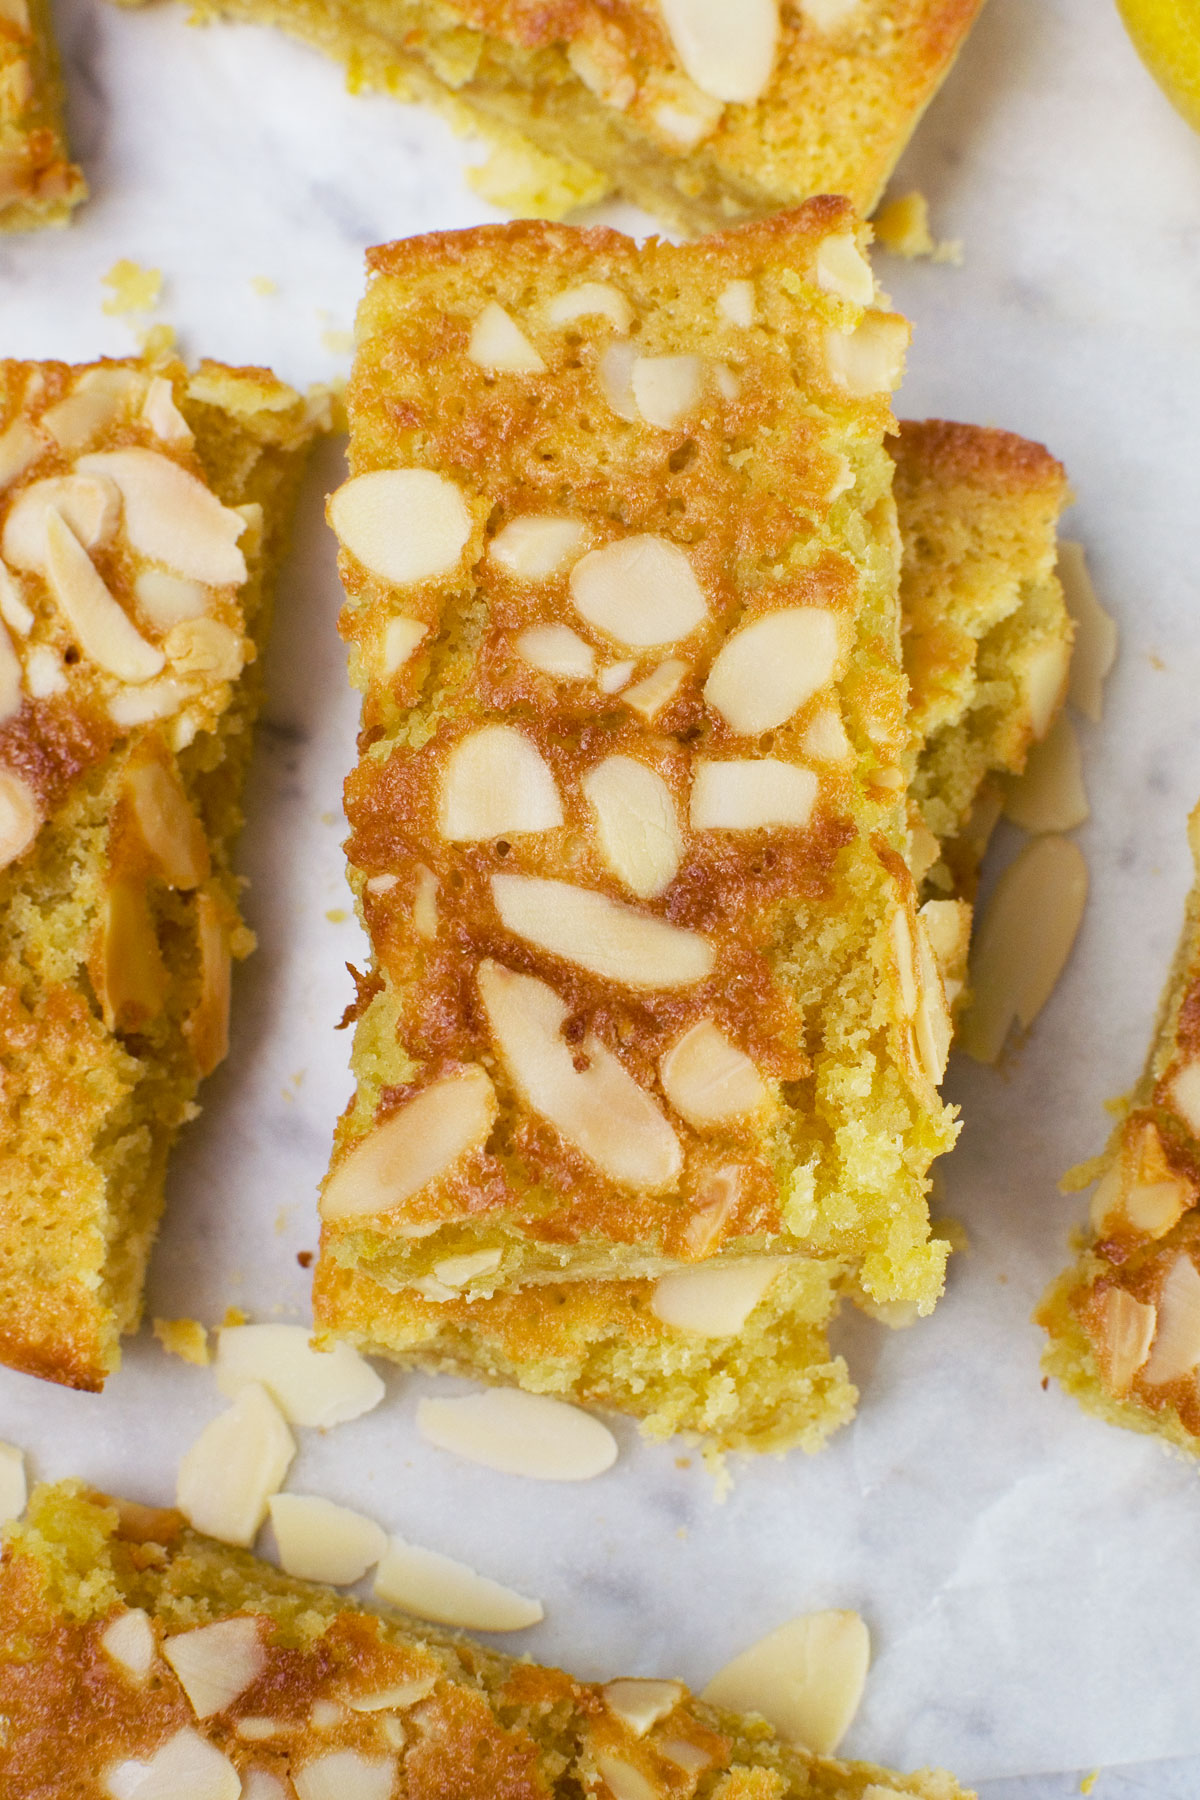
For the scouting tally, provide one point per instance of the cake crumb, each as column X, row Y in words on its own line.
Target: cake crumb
column 304, row 1258
column 1089, row 1782
column 902, row 226
column 263, row 286
column 185, row 1338
column 134, row 289
column 157, row 342
column 337, row 915
column 532, row 184
column 341, row 343
column 234, row 1316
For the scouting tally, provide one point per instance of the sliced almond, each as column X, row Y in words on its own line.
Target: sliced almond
column 639, row 590
column 615, row 369
column 714, row 1299
column 1050, row 795
column 401, row 636
column 20, row 817
column 536, row 546
column 395, row 1699
column 729, row 52
column 1023, row 942
column 842, row 269
column 1154, row 1207
column 168, row 600
column 437, row 1587
column 519, row 1434
column 81, row 417
column 1176, row 1349
column 737, row 303
column 131, row 1643
column 709, row 1080
column 403, row 525
column 261, row 1784
column 171, row 834
column 128, row 972
column 599, row 934
column 13, row 1486
column 420, row 1142
column 346, row 1775
column 161, row 414
column 598, row 1108
column 636, row 827
column 1095, row 647
column 689, row 1757
column 216, row 1663
column 1045, row 682
column 187, row 1767
column 458, row 1271
column 825, row 737
column 806, row 1679
column 10, row 678
column 207, row 1025
column 1126, row 1334
column 557, row 650
column 714, row 1204
column 623, row 1780
column 171, row 517
column 590, row 299
column 90, row 507
column 104, row 631
column 425, row 901
column 498, row 343
column 751, row 795
column 205, row 649
column 666, row 387
column 612, row 679
column 766, row 671
column 827, row 15
column 639, row 1704
column 14, row 611
column 239, row 1460
column 496, row 783
column 319, row 1541
column 648, row 696
column 678, row 112
column 1183, row 1092
column 319, row 1388
column 20, row 446
column 869, row 359
column 947, row 926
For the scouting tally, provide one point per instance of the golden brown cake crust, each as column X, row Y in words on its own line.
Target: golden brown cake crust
column 39, row 185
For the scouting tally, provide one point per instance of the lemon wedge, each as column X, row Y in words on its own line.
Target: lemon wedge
column 1166, row 35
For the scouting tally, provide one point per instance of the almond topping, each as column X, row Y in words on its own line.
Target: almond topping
column 498, row 343
column 397, row 1698
column 131, row 1643
column 20, row 817
column 1095, row 647
column 681, row 115
column 495, row 783
column 536, row 546
column 1023, row 943
column 167, row 600
column 947, row 926
column 666, row 387
column 591, row 299
column 161, row 414
column 615, row 368
column 842, row 269
column 1176, row 1348
column 557, row 650
column 458, row 1271
column 622, row 1780
column 170, row 831
column 425, row 901
column 141, row 705
column 401, row 524
column 239, row 1460
column 346, row 1775
column 728, row 51
column 598, row 1108
column 806, row 1679
column 599, row 934
column 1046, row 674
column 319, row 1541
column 82, row 416
column 1050, row 795
column 207, row 1025
column 437, row 1587
column 311, row 1387
column 104, row 631
column 648, row 696
column 13, row 1487
column 128, row 972
column 401, row 636
column 13, row 609
column 736, row 302
column 640, row 1703
column 612, row 679
column 1126, row 1333
column 216, row 1663
column 171, row 517
column 640, row 590
column 709, row 1080
column 714, row 1299
column 90, row 508
column 519, row 1434
column 768, row 669
column 827, row 15
column 10, row 678
column 20, row 446
column 714, row 1204
column 869, row 359
column 187, row 1767
column 1153, row 1207
column 751, row 795
column 636, row 827
column 417, row 1145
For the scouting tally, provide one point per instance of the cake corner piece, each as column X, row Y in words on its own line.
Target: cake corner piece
column 39, row 184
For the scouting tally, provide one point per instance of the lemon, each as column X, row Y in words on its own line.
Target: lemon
column 1166, row 35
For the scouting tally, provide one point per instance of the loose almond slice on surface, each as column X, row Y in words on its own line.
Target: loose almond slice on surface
column 1176, row 1348
column 131, row 1643
column 714, row 1299
column 842, row 269
column 1050, row 795
column 13, row 1487
column 239, row 1460
column 105, row 632
column 599, row 1108
column 519, row 1434
column 216, row 1663
column 537, row 545
column 347, row 1775
column 641, row 1703
column 319, row 1541
column 437, row 1587
column 496, row 783
column 870, row 359
column 498, row 343
column 187, row 1767
column 311, row 1387
column 767, row 670
column 1095, row 648
column 752, row 795
column 170, row 831
column 557, row 650
column 590, row 299
column 402, row 524
column 1045, row 682
column 1126, row 1334
column 1023, row 942
column 636, row 827
column 666, row 387
column 728, row 51
column 417, row 1144
column 709, row 1080
column 171, row 517
column 806, row 1679
column 640, row 591
column 598, row 934
column 91, row 508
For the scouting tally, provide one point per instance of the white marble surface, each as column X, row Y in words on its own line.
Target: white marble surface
column 1030, row 1577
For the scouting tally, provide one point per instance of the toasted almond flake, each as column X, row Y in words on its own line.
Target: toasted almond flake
column 20, row 817
column 591, row 299
column 681, row 115
column 1183, row 1092
column 425, row 901
column 216, row 1663
column 205, row 648
column 622, row 1780
column 90, row 507
column 171, row 834
column 104, row 631
column 1095, row 647
column 10, row 678
column 557, row 650
column 13, row 1488
column 708, row 1079
column 519, row 1434
column 1050, row 795
column 131, row 1643
column 728, row 383
column 636, row 828
column 613, row 678
column 599, row 1108
column 827, row 15
column 325, row 1715
column 825, row 737
column 714, row 1300
column 261, row 1784
column 932, row 1024
column 13, row 609
column 310, row 1387
column 666, row 387
column 806, row 1679
column 437, row 1587
column 20, row 447
column 537, row 545
column 947, row 927
column 603, row 68
column 869, row 359
column 171, row 517
column 383, row 884
column 640, row 591
column 457, row 1271
column 239, row 1460
column 905, row 955
column 416, row 1145
column 765, row 672
column 319, row 1541
column 498, row 343
column 346, row 1775
column 714, row 1204
column 207, row 1025
column 728, row 51
column 44, row 672
column 496, row 783
column 397, row 1698
column 842, row 269
column 599, row 934
column 154, row 700
column 187, row 1767
column 1126, row 1334
column 648, row 696
column 642, row 1703
column 615, row 369
column 258, row 1728
column 689, row 1757
column 168, row 600
column 1045, row 683
column 736, row 302
column 82, row 416
column 128, row 971
column 404, row 525
column 1176, row 1348
column 400, row 638
column 161, row 414
column 1153, row 1207
column 751, row 795
column 1023, row 942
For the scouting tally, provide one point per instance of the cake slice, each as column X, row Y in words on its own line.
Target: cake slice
column 141, row 1658
column 143, row 511
column 702, row 114
column 39, row 184
column 1124, row 1319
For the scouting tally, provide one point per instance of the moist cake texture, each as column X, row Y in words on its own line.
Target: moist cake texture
column 1124, row 1319
column 142, row 514
column 700, row 114
column 39, row 184
column 136, row 1650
